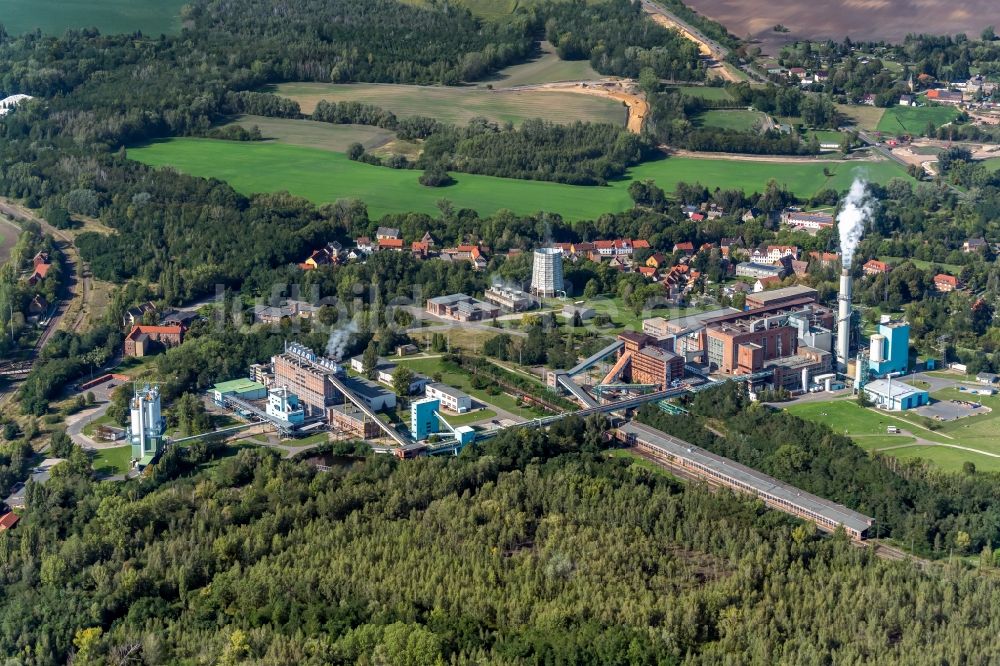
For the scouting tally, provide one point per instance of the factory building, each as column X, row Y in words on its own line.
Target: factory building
column 780, row 296
column 510, row 300
column 244, row 389
column 351, row 421
column 895, row 395
column 146, row 426
column 423, row 418
column 283, row 404
column 645, row 360
column 889, row 350
column 450, row 398
column 461, row 307
column 547, row 272
column 305, row 380
column 374, row 396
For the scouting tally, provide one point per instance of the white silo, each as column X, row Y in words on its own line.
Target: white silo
column 547, row 272
column 878, row 348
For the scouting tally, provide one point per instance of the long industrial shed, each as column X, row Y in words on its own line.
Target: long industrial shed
column 721, row 471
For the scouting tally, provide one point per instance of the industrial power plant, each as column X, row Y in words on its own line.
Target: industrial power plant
column 547, row 273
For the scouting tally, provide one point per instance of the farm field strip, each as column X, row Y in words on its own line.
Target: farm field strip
column 54, row 17
column 325, row 176
column 459, row 105
column 913, row 120
column 313, row 134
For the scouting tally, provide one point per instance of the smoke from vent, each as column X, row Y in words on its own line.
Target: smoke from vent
column 339, row 337
column 851, row 221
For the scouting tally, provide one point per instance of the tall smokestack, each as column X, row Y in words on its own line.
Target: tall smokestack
column 844, row 320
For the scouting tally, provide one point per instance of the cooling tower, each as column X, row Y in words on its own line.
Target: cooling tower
column 547, row 272
column 844, row 321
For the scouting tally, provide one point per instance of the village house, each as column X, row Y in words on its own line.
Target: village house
column 807, row 221
column 657, row 260
column 393, row 244
column 945, row 283
column 974, row 245
column 944, row 96
column 686, row 247
column 136, row 314
column 825, row 258
column 386, row 233
column 273, row 314
column 773, row 254
column 364, row 244
column 875, row 267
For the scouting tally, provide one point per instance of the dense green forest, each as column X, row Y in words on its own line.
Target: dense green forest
column 922, row 509
column 530, row 548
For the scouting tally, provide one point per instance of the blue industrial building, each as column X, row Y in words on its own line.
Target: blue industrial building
column 423, row 418
column 890, row 348
column 895, row 395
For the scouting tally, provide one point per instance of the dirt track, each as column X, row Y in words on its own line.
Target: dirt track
column 638, row 107
column 736, row 157
column 658, row 15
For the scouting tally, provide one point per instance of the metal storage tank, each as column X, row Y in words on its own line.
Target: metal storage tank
column 878, row 348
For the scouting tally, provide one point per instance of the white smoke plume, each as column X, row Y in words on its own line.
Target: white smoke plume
column 339, row 337
column 851, row 221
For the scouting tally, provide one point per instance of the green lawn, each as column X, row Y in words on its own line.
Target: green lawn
column 705, row 92
column 740, row 120
column 314, row 134
column 91, row 428
column 827, row 136
column 325, row 176
column 922, row 264
column 108, row 462
column 914, row 119
column 868, row 429
column 309, row 440
column 950, row 460
column 458, row 105
column 546, row 68
column 472, row 417
column 993, row 163
column 845, row 417
column 461, row 381
column 110, row 16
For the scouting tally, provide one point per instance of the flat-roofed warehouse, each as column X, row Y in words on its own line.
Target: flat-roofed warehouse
column 722, row 471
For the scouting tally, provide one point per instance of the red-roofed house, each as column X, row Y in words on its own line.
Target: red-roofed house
column 875, row 267
column 640, row 244
column 419, row 248
column 394, row 244
column 143, row 340
column 648, row 271
column 945, row 283
column 686, row 248
column 8, row 520
column 766, row 283
column 41, row 270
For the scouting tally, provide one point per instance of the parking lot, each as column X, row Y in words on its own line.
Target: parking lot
column 951, row 410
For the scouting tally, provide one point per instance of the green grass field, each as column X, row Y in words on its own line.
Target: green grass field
column 736, row 119
column 461, row 381
column 704, row 92
column 865, row 117
column 914, row 119
column 546, row 68
column 868, row 429
column 920, row 263
column 108, row 462
column 313, row 134
column 325, row 176
column 993, row 164
column 152, row 17
column 459, row 105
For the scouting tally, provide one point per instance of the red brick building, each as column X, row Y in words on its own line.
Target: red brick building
column 146, row 340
